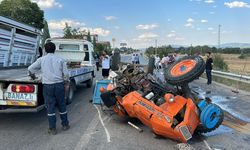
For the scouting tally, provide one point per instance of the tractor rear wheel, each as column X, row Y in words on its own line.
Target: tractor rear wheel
column 184, row 70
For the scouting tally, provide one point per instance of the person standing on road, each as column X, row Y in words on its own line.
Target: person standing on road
column 209, row 67
column 115, row 60
column 164, row 61
column 157, row 61
column 133, row 58
column 54, row 75
column 105, row 65
column 97, row 61
column 137, row 59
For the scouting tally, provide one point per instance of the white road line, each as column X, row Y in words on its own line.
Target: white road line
column 106, row 130
column 207, row 145
column 84, row 140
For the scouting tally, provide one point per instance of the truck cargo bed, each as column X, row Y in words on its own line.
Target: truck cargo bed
column 18, row 75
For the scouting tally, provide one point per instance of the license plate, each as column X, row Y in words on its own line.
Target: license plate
column 185, row 132
column 19, row 96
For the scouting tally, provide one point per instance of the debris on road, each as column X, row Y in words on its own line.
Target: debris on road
column 183, row 146
column 170, row 110
column 236, row 123
column 134, row 126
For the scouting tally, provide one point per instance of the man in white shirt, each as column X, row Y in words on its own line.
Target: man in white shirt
column 105, row 65
column 54, row 74
column 157, row 61
column 133, row 58
column 165, row 61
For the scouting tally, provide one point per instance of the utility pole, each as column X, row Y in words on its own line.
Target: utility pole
column 113, row 40
column 219, row 36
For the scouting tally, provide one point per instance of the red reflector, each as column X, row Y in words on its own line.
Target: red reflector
column 23, row 88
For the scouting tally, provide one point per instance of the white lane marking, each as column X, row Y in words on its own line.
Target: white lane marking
column 106, row 130
column 84, row 140
column 207, row 145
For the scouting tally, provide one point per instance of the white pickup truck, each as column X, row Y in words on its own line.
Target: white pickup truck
column 18, row 93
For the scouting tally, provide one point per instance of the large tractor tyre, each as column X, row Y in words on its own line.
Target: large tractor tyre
column 70, row 92
column 211, row 118
column 184, row 70
column 151, row 65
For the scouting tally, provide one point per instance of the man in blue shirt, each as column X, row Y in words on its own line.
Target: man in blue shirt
column 54, row 74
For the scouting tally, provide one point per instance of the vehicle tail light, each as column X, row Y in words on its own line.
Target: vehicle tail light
column 23, row 88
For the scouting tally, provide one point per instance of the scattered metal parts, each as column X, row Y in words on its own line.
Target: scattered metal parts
column 218, row 147
column 184, row 146
column 134, row 126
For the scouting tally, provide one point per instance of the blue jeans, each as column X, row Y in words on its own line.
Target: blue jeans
column 209, row 76
column 54, row 96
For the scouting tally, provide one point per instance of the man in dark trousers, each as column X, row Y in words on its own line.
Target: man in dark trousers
column 209, row 67
column 115, row 60
column 54, row 75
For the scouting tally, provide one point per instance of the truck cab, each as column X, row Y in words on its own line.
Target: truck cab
column 74, row 51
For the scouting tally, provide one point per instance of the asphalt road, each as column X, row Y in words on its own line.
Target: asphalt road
column 93, row 128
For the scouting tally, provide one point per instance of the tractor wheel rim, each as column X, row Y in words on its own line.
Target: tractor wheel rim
column 182, row 67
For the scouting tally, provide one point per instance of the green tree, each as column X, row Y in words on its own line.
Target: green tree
column 23, row 11
column 219, row 63
column 73, row 33
column 45, row 32
column 67, row 31
column 94, row 42
column 89, row 37
column 99, row 48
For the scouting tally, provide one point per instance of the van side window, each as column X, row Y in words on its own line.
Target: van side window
column 85, row 47
column 69, row 47
column 86, row 58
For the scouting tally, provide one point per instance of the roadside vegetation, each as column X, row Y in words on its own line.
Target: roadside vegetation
column 26, row 12
column 234, row 60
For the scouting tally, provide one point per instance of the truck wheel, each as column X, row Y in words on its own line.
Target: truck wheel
column 184, row 70
column 89, row 83
column 70, row 93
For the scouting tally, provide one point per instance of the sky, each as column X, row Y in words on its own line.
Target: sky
column 140, row 23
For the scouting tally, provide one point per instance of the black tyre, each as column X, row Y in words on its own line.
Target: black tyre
column 89, row 83
column 184, row 70
column 151, row 65
column 70, row 92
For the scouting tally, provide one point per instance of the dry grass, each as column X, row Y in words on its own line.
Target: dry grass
column 236, row 65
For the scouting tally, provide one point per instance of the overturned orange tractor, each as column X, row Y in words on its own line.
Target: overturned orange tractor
column 169, row 108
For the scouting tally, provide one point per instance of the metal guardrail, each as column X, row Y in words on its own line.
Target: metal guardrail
column 232, row 76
